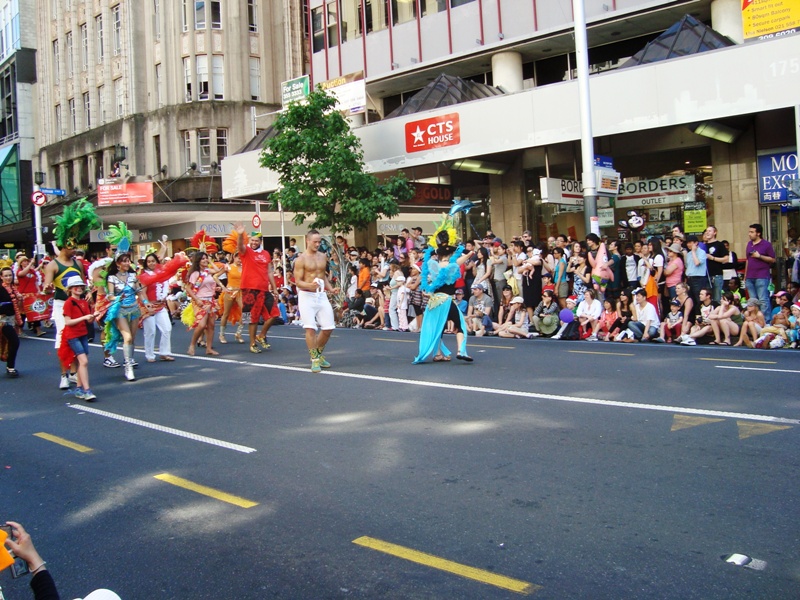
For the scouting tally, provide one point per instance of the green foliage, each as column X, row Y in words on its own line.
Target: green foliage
column 321, row 169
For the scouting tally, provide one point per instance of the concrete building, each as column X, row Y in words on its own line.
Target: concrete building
column 156, row 90
column 695, row 69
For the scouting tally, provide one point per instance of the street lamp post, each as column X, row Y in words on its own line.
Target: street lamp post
column 38, row 180
column 587, row 142
column 254, row 116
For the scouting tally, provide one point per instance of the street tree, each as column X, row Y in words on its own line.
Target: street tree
column 320, row 165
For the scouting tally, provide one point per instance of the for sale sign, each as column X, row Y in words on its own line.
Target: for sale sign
column 436, row 132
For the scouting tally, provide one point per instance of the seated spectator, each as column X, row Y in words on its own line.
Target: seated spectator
column 644, row 324
column 517, row 326
column 370, row 319
column 462, row 305
column 504, row 304
column 727, row 320
column 355, row 308
column 607, row 320
column 589, row 312
column 753, row 323
column 479, row 311
column 671, row 326
column 780, row 299
column 702, row 324
column 619, row 330
column 545, row 315
column 376, row 291
column 794, row 325
column 775, row 334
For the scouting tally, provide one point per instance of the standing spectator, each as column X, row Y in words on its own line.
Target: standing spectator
column 560, row 278
column 419, row 240
column 364, row 275
column 630, row 265
column 731, row 263
column 760, row 258
column 674, row 269
column 397, row 280
column 11, row 319
column 717, row 257
column 647, row 281
column 581, row 273
column 498, row 264
column 531, row 270
column 695, row 261
column 614, row 263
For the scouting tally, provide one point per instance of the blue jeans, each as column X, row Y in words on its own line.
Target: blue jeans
column 759, row 288
column 638, row 330
column 717, row 282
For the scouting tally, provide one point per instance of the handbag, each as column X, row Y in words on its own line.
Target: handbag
column 512, row 282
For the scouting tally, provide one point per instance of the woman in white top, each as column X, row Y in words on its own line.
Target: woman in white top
column 518, row 325
column 589, row 312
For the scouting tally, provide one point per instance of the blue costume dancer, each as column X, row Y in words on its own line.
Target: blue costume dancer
column 438, row 280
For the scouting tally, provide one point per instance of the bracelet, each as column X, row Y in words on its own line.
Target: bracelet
column 39, row 568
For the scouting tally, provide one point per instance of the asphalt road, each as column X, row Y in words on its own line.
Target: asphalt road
column 543, row 469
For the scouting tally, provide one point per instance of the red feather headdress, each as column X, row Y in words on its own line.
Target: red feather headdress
column 204, row 243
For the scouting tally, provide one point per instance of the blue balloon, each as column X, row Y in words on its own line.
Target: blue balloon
column 566, row 315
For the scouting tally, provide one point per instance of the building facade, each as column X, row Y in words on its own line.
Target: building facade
column 652, row 120
column 156, row 90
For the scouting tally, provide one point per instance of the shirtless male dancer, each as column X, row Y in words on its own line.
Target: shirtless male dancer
column 316, row 312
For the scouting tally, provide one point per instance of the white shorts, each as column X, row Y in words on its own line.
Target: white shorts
column 316, row 311
column 58, row 318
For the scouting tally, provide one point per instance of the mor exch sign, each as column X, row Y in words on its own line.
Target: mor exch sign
column 774, row 173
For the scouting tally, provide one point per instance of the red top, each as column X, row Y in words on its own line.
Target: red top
column 255, row 269
column 75, row 309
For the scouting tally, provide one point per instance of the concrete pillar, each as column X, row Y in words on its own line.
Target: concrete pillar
column 508, row 195
column 507, row 71
column 726, row 18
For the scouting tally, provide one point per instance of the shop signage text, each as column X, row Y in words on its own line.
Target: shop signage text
column 566, row 192
column 431, row 194
column 774, row 171
column 100, row 235
column 656, row 192
column 118, row 191
column 217, row 229
column 436, row 132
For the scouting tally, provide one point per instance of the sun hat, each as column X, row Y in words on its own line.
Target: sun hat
column 752, row 302
column 676, row 248
column 548, row 324
column 75, row 281
column 517, row 300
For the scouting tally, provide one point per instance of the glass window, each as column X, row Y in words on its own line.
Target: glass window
column 187, row 79
column 431, row 7
column 157, row 152
column 159, row 86
column 70, row 57
column 218, row 77
column 119, row 98
column 84, row 47
column 376, row 15
column 204, row 150
column 403, row 11
column 333, row 20
column 318, row 28
column 454, row 3
column 73, row 116
column 252, row 16
column 184, row 15
column 201, row 61
column 58, row 122
column 56, row 62
column 116, row 19
column 156, row 20
column 222, row 145
column 350, row 16
column 98, row 25
column 216, row 14
column 87, row 111
column 187, row 149
column 255, row 78
column 101, row 103
column 199, row 14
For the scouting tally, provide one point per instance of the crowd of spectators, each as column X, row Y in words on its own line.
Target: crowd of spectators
column 681, row 289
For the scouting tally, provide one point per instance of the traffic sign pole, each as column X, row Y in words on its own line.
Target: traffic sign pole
column 37, row 223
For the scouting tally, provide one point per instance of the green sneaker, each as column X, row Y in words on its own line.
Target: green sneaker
column 324, row 363
column 315, row 366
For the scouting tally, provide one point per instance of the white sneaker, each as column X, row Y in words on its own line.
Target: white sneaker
column 591, row 338
column 111, row 362
column 556, row 337
column 64, row 383
column 73, row 378
column 129, row 372
column 688, row 341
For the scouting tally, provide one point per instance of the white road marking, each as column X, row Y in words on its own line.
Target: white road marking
column 758, row 369
column 161, row 428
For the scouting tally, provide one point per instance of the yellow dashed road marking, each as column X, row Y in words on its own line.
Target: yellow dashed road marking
column 62, row 442
column 429, row 560
column 205, row 491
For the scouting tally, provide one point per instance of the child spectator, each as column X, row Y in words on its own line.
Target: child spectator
column 671, row 326
column 774, row 335
column 607, row 320
column 753, row 323
column 794, row 326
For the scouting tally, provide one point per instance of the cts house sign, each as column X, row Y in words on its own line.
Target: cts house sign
column 436, row 132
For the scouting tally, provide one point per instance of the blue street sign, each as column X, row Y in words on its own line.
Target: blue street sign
column 53, row 192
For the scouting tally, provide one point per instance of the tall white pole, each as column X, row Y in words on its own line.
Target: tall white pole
column 37, row 224
column 283, row 243
column 587, row 141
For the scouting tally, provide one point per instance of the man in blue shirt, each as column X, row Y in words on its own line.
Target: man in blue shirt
column 695, row 262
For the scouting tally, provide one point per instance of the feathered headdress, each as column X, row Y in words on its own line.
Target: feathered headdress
column 445, row 225
column 203, row 242
column 75, row 223
column 120, row 236
column 231, row 243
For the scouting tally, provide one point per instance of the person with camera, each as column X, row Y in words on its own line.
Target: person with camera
column 42, row 584
column 702, row 324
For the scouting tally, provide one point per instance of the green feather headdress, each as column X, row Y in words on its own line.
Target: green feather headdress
column 119, row 236
column 75, row 223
